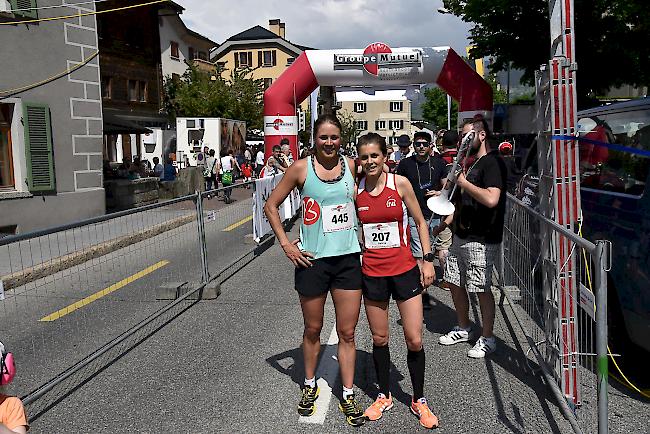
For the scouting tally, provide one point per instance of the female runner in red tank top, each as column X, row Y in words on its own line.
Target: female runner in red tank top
column 389, row 269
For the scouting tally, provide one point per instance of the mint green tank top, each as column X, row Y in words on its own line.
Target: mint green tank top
column 329, row 219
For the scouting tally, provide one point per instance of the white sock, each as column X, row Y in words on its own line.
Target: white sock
column 347, row 392
column 310, row 383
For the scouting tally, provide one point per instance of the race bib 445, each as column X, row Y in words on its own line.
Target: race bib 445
column 338, row 217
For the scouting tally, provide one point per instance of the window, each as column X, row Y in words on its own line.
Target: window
column 359, row 107
column 267, row 83
column 290, row 60
column 266, row 58
column 29, row 164
column 361, row 125
column 173, row 48
column 396, row 125
column 38, row 147
column 6, row 156
column 380, row 125
column 392, row 141
column 107, row 84
column 244, row 59
column 396, row 106
column 622, row 168
column 191, row 53
column 137, row 90
column 201, row 55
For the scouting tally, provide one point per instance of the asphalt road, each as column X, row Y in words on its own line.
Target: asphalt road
column 120, row 289
column 233, row 365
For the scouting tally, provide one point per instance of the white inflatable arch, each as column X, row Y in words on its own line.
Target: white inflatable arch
column 376, row 65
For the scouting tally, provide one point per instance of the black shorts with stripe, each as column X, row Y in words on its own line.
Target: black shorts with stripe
column 401, row 287
column 336, row 272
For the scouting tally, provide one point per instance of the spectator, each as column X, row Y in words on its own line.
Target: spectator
column 449, row 144
column 169, row 171
column 426, row 174
column 514, row 174
column 228, row 164
column 287, row 158
column 157, row 168
column 12, row 413
column 248, row 154
column 247, row 172
column 259, row 161
column 480, row 202
column 274, row 163
column 404, row 144
column 210, row 172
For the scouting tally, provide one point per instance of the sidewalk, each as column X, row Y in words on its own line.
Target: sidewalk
column 234, row 365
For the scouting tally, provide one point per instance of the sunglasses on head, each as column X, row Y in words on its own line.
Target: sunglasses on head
column 332, row 138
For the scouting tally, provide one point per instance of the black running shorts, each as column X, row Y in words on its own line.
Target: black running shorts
column 336, row 272
column 401, row 287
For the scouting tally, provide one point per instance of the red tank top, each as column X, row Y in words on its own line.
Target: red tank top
column 386, row 237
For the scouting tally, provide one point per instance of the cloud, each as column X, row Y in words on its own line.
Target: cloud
column 328, row 24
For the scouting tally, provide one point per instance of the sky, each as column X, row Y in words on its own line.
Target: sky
column 330, row 24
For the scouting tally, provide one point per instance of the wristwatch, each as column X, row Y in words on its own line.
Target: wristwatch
column 428, row 257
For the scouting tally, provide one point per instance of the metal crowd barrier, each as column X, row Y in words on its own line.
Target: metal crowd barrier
column 531, row 287
column 76, row 297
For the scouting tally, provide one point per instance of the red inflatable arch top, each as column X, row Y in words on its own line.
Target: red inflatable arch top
column 376, row 65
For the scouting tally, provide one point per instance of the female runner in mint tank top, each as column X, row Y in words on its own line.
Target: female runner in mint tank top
column 327, row 259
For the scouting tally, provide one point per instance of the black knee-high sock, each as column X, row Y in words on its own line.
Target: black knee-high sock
column 381, row 357
column 415, row 361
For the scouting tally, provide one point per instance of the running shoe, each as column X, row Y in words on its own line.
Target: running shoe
column 483, row 347
column 352, row 411
column 307, row 406
column 377, row 409
column 422, row 411
column 456, row 335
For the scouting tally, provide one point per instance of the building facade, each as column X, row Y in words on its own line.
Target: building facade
column 385, row 112
column 180, row 45
column 50, row 117
column 267, row 52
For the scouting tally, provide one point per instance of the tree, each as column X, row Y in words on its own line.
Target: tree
column 199, row 93
column 349, row 133
column 434, row 109
column 611, row 39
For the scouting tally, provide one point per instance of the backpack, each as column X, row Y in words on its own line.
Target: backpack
column 226, row 178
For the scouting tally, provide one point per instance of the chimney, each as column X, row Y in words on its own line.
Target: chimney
column 277, row 27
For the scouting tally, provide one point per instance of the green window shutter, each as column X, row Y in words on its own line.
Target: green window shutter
column 25, row 4
column 38, row 147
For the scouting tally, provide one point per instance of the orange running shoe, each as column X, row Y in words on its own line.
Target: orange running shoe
column 422, row 411
column 377, row 409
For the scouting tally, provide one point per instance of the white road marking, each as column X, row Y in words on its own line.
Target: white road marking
column 328, row 370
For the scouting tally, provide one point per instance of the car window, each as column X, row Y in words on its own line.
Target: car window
column 612, row 148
